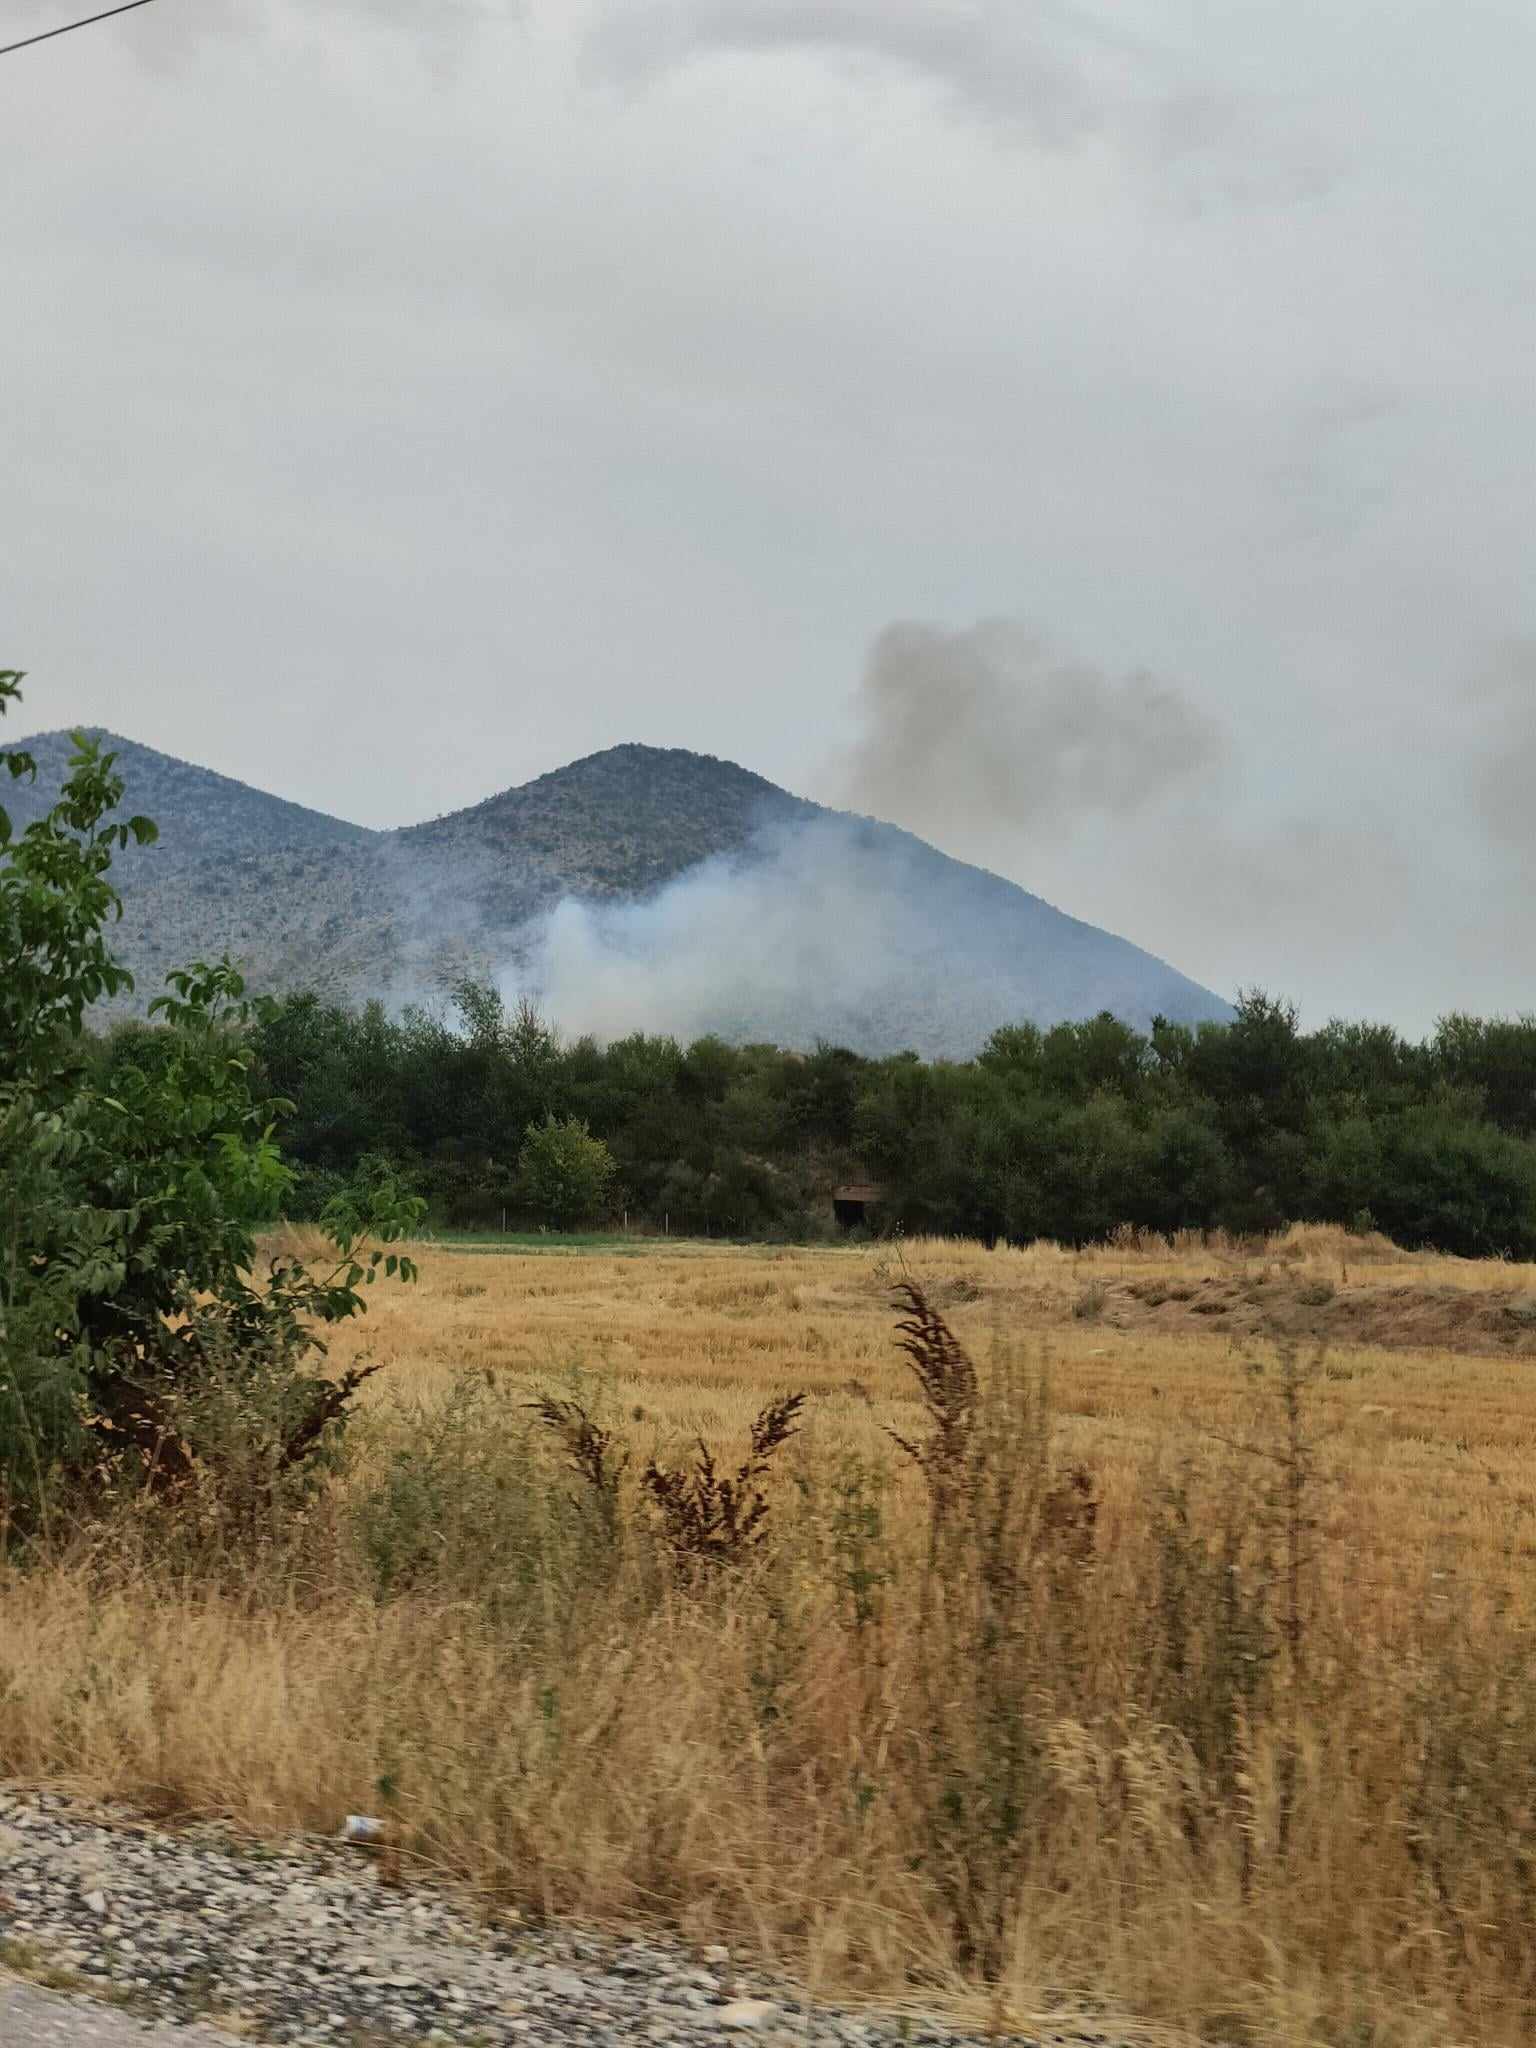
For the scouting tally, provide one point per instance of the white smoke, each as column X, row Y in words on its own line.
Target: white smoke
column 809, row 925
column 835, row 928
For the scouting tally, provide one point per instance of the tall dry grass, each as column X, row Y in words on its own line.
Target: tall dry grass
column 1170, row 1678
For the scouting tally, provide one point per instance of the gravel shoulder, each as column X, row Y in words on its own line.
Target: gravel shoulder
column 30, row 2018
column 133, row 1936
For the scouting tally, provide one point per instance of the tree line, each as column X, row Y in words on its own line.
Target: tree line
column 1064, row 1133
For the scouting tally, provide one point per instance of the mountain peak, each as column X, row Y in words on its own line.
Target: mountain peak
column 633, row 767
column 627, row 819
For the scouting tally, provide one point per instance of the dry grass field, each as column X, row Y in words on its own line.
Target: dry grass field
column 1200, row 1688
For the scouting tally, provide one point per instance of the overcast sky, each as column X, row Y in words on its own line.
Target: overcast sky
column 1099, row 437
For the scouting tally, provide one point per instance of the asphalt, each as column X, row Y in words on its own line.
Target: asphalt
column 30, row 2018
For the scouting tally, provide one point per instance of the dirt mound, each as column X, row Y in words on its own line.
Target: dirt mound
column 1281, row 1302
column 1333, row 1241
column 1296, row 1242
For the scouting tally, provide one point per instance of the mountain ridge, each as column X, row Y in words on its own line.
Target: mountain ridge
column 869, row 935
column 138, row 763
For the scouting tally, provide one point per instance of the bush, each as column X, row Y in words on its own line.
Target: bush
column 565, row 1175
column 451, row 1497
column 128, row 1212
column 311, row 1188
column 1456, row 1184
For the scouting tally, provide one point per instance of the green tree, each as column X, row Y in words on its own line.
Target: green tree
column 1496, row 1057
column 1184, row 1175
column 565, row 1175
column 1100, row 1056
column 128, row 1212
column 1459, row 1185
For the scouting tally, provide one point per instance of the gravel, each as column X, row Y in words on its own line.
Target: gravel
column 30, row 2018
column 305, row 1945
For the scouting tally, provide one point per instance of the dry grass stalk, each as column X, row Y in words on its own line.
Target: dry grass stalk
column 710, row 1518
column 950, row 1392
column 592, row 1452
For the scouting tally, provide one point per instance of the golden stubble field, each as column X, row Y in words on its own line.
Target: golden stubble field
column 1425, row 1449
column 1251, row 1765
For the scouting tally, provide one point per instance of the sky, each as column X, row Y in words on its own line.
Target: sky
column 1098, row 437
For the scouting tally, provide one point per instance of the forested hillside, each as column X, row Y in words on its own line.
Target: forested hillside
column 698, row 896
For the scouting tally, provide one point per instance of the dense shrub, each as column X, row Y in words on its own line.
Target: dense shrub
column 133, row 1180
column 564, row 1174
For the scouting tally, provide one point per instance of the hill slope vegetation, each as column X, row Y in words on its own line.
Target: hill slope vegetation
column 807, row 923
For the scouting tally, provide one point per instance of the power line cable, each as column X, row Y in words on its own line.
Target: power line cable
column 27, row 41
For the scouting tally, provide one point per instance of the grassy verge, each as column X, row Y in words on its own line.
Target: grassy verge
column 541, row 1240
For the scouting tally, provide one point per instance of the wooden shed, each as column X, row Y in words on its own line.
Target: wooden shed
column 852, row 1202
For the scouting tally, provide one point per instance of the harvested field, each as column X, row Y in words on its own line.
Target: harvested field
column 1243, row 1740
column 1423, row 1428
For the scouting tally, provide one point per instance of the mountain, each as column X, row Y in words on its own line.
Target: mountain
column 619, row 823
column 201, row 812
column 615, row 827
column 642, row 887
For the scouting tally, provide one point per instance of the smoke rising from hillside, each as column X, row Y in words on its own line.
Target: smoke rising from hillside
column 838, row 929
column 1306, row 858
column 992, row 724
column 823, row 928
column 1119, row 797
column 806, row 921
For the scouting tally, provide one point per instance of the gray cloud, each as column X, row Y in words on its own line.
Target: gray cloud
column 1015, row 67
column 166, row 39
column 1057, row 74
column 189, row 21
column 1328, row 476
